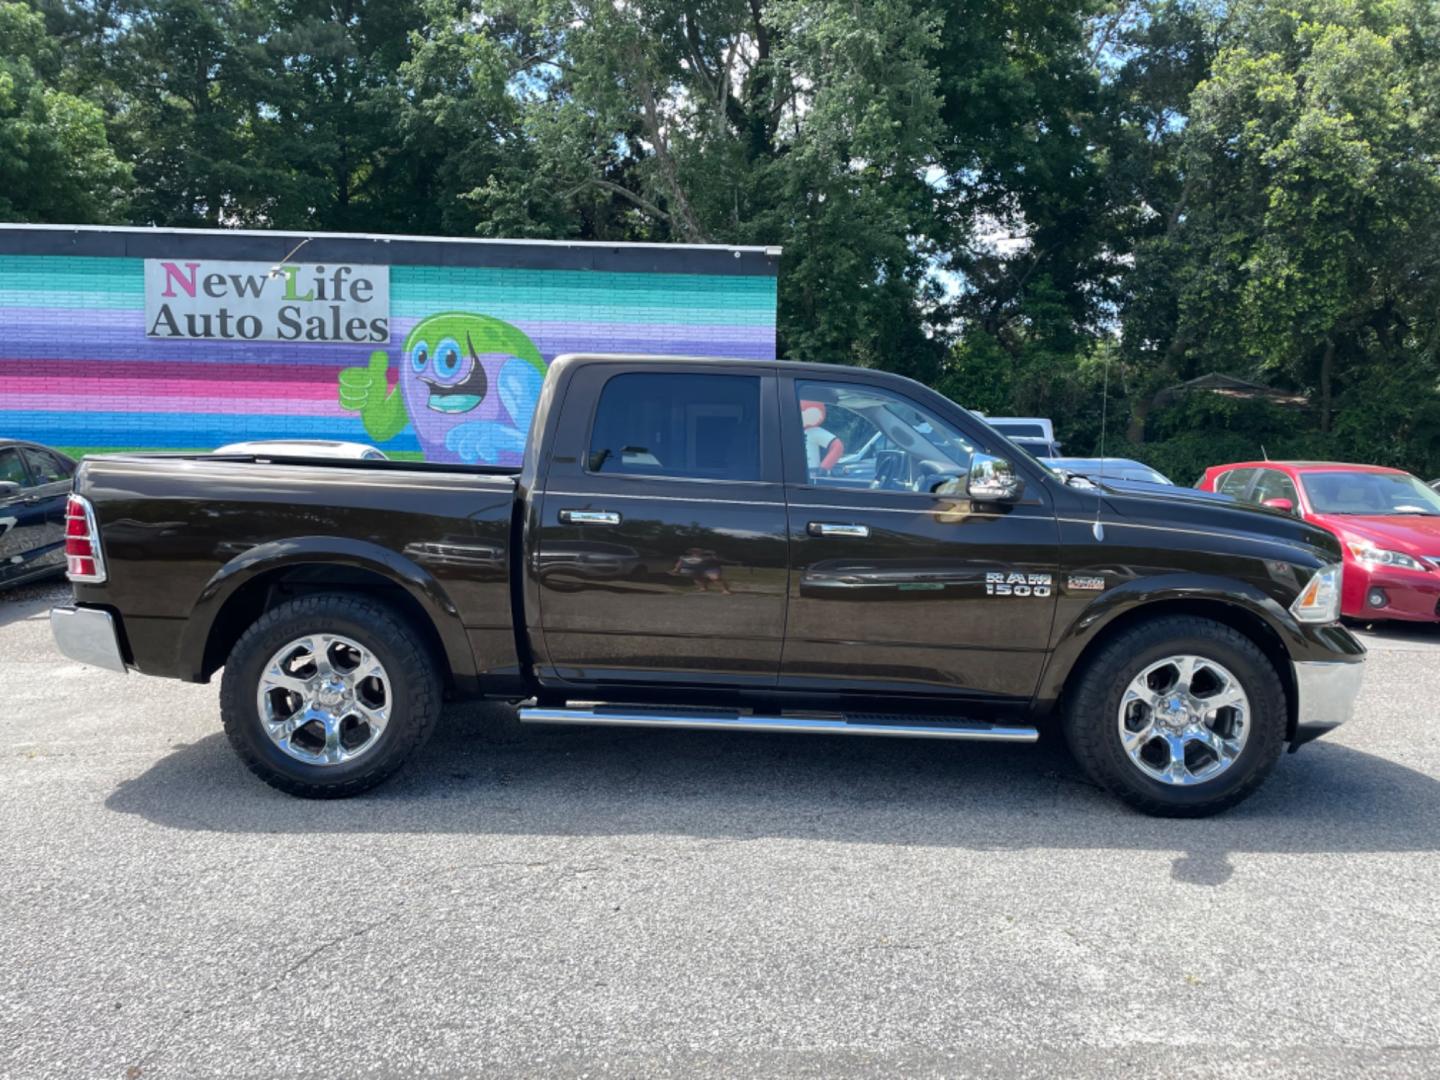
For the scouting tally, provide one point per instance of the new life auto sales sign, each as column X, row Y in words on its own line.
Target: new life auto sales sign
column 218, row 300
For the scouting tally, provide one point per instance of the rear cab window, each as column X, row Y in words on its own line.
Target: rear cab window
column 677, row 424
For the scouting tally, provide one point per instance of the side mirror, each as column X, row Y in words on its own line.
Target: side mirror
column 1280, row 504
column 9, row 489
column 993, row 479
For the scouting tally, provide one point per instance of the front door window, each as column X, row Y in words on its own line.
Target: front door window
column 863, row 436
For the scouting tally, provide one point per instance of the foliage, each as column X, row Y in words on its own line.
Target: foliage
column 1054, row 207
column 55, row 159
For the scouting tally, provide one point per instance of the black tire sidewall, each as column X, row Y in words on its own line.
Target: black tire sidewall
column 371, row 626
column 1101, row 733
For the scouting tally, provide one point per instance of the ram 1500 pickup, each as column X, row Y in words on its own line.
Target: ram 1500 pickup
column 678, row 548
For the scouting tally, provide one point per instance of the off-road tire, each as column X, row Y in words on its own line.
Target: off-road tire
column 1092, row 708
column 415, row 686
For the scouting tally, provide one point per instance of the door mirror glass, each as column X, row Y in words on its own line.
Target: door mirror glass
column 8, row 489
column 1280, row 504
column 993, row 479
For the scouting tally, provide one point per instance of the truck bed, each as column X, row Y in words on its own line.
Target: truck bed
column 193, row 529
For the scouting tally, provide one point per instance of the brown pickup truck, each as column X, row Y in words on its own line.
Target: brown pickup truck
column 701, row 544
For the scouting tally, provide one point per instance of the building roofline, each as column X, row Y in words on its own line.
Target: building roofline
column 137, row 241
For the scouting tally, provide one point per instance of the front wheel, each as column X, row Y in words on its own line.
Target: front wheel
column 328, row 695
column 1178, row 717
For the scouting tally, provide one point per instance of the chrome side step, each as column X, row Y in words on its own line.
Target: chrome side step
column 721, row 720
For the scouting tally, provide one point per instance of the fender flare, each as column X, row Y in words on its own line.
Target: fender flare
column 1133, row 597
column 244, row 568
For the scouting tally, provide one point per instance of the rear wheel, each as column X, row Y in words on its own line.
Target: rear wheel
column 328, row 695
column 1179, row 717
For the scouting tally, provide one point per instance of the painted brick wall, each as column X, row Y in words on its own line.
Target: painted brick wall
column 78, row 371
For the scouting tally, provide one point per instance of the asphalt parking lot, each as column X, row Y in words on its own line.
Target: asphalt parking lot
column 578, row 902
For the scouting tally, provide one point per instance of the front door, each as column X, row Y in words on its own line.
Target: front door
column 658, row 548
column 22, row 517
column 52, row 476
column 895, row 589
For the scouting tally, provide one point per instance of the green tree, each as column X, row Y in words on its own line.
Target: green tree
column 1304, row 241
column 807, row 123
column 192, row 76
column 56, row 162
column 327, row 124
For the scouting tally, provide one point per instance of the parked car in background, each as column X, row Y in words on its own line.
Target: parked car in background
column 1111, row 468
column 1034, row 434
column 34, row 483
column 305, row 448
column 1388, row 522
column 1124, row 474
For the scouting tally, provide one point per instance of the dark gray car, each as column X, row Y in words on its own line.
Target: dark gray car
column 34, row 484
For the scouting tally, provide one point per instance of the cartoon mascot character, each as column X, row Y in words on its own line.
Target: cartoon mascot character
column 468, row 384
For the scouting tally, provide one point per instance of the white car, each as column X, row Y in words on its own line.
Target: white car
column 305, row 448
column 1022, row 427
column 1035, row 434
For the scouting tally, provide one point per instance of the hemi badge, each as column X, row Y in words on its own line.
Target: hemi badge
column 1085, row 582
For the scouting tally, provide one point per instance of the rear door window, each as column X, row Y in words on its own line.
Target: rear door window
column 693, row 426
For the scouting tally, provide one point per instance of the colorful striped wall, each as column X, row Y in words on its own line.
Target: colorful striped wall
column 77, row 370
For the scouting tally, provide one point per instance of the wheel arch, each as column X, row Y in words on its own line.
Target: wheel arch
column 1079, row 648
column 242, row 590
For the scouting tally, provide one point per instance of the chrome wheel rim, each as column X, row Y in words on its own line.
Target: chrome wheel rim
column 1184, row 720
column 324, row 699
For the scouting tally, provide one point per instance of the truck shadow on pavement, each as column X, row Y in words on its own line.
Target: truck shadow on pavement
column 483, row 773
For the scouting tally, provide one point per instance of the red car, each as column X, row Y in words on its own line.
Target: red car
column 1388, row 523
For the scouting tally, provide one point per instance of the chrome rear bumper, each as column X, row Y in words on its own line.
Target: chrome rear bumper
column 89, row 636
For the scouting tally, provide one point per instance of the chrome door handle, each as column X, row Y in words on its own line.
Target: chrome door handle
column 835, row 528
column 589, row 517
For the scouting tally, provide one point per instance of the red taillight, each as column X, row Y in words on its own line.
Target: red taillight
column 83, row 561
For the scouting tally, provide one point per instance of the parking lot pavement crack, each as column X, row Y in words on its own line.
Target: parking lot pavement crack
column 188, row 1016
column 324, row 946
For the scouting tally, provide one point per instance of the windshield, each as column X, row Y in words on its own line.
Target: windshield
column 1140, row 472
column 1369, row 494
column 1018, row 430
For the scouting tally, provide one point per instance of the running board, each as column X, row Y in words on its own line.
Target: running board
column 716, row 720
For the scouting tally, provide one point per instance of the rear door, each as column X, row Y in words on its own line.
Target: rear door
column 658, row 551
column 895, row 589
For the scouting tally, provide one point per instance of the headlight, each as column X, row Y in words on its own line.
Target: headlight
column 1319, row 601
column 1368, row 553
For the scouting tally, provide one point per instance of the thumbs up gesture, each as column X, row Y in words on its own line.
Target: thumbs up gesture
column 366, row 390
